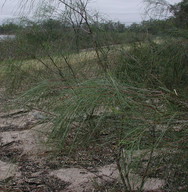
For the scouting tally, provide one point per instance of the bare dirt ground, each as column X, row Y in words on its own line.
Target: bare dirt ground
column 26, row 164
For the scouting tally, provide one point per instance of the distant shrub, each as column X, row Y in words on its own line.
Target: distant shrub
column 155, row 64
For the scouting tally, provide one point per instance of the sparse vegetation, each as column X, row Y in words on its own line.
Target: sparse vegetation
column 104, row 91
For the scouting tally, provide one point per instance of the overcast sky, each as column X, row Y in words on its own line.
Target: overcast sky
column 126, row 11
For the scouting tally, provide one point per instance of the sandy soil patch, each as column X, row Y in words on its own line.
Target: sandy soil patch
column 82, row 180
column 7, row 170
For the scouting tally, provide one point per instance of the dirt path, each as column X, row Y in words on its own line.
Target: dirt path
column 26, row 164
column 24, row 160
column 23, row 165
